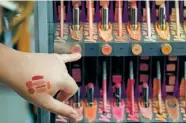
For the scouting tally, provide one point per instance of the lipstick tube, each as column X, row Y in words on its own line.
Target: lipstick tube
column 159, row 87
column 90, row 94
column 78, row 105
column 118, row 104
column 105, row 17
column 117, row 94
column 145, row 93
column 104, row 86
column 134, row 14
column 162, row 17
column 77, row 99
column 76, row 19
column 90, row 107
column 131, row 89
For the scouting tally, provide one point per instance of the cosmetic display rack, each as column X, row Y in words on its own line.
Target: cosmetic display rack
column 133, row 63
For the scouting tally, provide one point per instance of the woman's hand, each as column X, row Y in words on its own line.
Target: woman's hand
column 38, row 77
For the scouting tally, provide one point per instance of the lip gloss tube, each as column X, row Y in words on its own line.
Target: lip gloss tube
column 90, row 108
column 145, row 93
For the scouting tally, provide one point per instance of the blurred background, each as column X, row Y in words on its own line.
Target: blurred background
column 13, row 108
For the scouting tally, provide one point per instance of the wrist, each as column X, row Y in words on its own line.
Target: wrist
column 10, row 62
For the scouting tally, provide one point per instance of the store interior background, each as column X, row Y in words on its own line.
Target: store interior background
column 13, row 108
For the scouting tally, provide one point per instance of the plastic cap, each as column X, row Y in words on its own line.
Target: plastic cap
column 106, row 49
column 76, row 49
column 166, row 49
column 136, row 49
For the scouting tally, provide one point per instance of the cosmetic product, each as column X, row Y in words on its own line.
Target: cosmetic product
column 90, row 94
column 159, row 87
column 134, row 13
column 162, row 17
column 145, row 93
column 104, row 84
column 117, row 94
column 76, row 18
column 131, row 82
column 105, row 17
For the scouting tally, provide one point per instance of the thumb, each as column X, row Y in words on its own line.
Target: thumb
column 68, row 89
column 70, row 57
column 62, row 109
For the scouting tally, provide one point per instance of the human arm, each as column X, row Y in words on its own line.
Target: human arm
column 17, row 70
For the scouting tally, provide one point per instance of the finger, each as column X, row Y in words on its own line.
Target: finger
column 68, row 89
column 70, row 57
column 62, row 109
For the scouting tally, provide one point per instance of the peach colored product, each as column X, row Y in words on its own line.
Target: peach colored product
column 148, row 18
column 172, row 80
column 172, row 107
column 119, row 7
column 177, row 18
column 182, row 88
column 88, row 5
column 106, row 49
column 76, row 49
column 134, row 34
column 163, row 34
column 136, row 49
column 76, row 35
column 146, row 112
column 105, row 35
column 159, row 97
column 172, row 58
column 118, row 112
column 155, row 87
column 76, row 3
column 144, row 67
column 90, row 112
column 38, row 85
column 90, row 16
column 104, row 3
column 169, row 88
column 144, row 78
column 166, row 49
column 79, row 110
column 171, row 67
